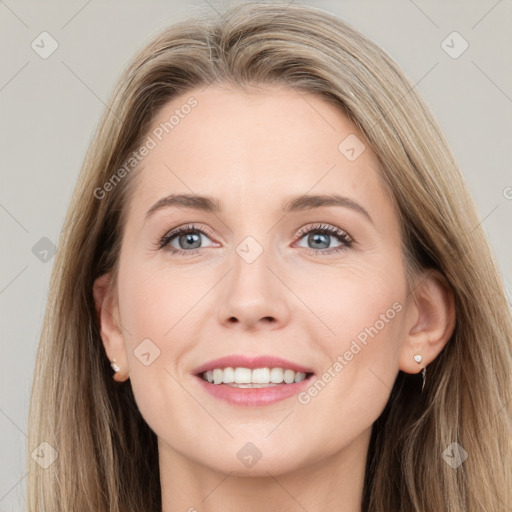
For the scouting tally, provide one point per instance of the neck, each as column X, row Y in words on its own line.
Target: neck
column 329, row 483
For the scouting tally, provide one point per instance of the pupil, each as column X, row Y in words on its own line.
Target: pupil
column 320, row 238
column 191, row 238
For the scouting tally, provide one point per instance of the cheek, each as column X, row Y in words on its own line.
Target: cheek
column 153, row 309
column 152, row 300
column 371, row 326
column 354, row 302
column 364, row 310
column 150, row 307
column 144, row 306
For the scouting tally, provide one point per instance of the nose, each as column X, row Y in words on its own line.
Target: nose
column 253, row 296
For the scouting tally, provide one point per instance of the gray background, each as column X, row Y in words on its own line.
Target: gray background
column 50, row 107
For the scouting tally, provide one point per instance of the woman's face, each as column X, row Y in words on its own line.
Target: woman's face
column 319, row 284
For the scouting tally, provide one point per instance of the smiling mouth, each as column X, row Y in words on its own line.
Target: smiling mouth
column 241, row 377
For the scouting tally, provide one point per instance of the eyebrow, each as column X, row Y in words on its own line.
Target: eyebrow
column 294, row 204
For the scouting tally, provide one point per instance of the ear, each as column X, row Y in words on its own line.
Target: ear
column 432, row 321
column 110, row 328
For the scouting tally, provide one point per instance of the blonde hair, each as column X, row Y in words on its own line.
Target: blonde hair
column 107, row 454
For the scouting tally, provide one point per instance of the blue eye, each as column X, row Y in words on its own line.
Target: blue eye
column 319, row 237
column 189, row 239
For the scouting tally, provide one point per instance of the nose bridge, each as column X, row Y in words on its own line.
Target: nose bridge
column 251, row 277
column 251, row 260
column 252, row 291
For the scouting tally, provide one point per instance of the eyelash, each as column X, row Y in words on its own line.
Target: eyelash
column 342, row 236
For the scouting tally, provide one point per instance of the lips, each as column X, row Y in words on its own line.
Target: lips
column 242, row 361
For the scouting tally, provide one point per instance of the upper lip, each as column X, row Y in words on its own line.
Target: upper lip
column 241, row 361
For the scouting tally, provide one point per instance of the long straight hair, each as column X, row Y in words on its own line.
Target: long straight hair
column 107, row 454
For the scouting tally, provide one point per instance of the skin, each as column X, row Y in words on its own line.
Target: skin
column 252, row 151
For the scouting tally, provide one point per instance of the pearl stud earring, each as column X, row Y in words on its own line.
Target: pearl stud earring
column 418, row 359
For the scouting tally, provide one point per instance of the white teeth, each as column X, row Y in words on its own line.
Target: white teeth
column 217, row 376
column 260, row 376
column 276, row 375
column 228, row 376
column 289, row 376
column 245, row 377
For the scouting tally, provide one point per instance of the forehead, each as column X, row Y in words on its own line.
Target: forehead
column 256, row 148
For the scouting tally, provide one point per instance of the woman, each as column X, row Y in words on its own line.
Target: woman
column 336, row 335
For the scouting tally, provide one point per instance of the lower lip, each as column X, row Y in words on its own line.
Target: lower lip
column 253, row 397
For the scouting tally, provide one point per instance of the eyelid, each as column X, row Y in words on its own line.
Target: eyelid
column 323, row 227
column 345, row 239
column 168, row 235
